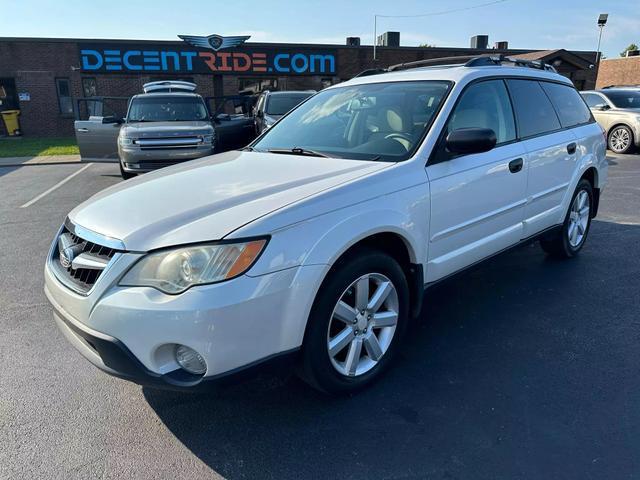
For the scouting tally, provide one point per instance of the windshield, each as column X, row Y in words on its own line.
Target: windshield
column 279, row 104
column 624, row 99
column 167, row 109
column 384, row 121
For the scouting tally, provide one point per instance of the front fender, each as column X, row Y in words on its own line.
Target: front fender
column 323, row 239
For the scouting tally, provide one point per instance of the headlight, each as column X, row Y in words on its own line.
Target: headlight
column 124, row 141
column 174, row 271
column 207, row 139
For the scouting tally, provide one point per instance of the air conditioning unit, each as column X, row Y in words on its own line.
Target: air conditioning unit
column 480, row 41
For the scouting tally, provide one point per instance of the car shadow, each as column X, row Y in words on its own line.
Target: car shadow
column 508, row 374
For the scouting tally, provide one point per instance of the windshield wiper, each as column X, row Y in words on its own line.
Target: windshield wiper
column 298, row 151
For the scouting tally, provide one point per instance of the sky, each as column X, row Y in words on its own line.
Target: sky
column 527, row 24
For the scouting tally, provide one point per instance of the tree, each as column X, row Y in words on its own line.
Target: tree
column 632, row 46
column 426, row 45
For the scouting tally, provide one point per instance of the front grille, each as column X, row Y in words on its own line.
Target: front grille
column 82, row 263
column 159, row 143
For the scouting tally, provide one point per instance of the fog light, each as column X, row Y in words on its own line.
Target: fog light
column 190, row 360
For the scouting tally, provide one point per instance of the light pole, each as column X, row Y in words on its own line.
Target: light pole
column 602, row 21
column 375, row 35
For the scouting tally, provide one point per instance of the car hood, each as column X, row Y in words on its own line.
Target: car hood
column 165, row 129
column 208, row 198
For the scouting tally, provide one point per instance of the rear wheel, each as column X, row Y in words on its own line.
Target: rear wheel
column 125, row 175
column 356, row 323
column 570, row 239
column 621, row 139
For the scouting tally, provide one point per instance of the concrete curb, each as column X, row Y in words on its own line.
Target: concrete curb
column 47, row 160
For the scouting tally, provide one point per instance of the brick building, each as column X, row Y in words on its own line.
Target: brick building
column 44, row 78
column 619, row 71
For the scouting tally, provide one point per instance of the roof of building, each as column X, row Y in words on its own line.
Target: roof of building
column 560, row 53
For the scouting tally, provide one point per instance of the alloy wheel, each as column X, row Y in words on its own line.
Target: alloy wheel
column 362, row 324
column 578, row 219
column 620, row 139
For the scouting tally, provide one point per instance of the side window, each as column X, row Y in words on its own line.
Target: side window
column 485, row 105
column 534, row 111
column 568, row 104
column 592, row 99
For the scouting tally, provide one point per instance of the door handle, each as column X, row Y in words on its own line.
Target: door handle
column 83, row 130
column 571, row 148
column 516, row 165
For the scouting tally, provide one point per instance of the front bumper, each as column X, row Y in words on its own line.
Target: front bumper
column 238, row 327
column 137, row 160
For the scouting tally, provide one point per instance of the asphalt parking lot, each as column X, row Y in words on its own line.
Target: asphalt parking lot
column 524, row 367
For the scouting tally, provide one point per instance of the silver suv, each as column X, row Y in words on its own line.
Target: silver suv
column 617, row 110
column 167, row 124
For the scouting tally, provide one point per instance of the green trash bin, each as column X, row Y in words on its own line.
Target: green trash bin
column 11, row 122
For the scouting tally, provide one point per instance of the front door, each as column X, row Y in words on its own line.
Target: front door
column 477, row 200
column 97, row 138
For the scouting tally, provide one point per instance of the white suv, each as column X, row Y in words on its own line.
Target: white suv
column 315, row 244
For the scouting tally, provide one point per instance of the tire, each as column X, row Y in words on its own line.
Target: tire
column 125, row 175
column 620, row 139
column 335, row 373
column 570, row 239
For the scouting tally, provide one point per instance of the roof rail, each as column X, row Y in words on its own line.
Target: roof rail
column 493, row 60
column 431, row 62
column 167, row 86
column 466, row 60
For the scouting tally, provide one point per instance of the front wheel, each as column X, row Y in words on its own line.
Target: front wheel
column 570, row 239
column 356, row 323
column 124, row 174
column 621, row 139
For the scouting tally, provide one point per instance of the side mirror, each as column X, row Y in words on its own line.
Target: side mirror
column 602, row 107
column 471, row 140
column 259, row 114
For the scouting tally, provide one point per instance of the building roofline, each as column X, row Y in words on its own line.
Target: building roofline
column 271, row 44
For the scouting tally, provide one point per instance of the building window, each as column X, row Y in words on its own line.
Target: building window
column 257, row 85
column 65, row 102
column 326, row 82
column 89, row 87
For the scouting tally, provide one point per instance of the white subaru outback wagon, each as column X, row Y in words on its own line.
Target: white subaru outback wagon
column 315, row 243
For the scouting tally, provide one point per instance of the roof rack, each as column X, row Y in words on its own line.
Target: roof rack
column 492, row 60
column 168, row 86
column 467, row 61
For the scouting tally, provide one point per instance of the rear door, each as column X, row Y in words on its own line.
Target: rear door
column 551, row 151
column 477, row 200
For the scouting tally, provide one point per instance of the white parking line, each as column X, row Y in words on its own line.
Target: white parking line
column 57, row 185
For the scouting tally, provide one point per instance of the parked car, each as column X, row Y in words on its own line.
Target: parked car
column 315, row 244
column 167, row 124
column 271, row 106
column 617, row 110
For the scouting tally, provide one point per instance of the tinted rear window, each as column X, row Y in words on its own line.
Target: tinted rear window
column 624, row 98
column 281, row 104
column 568, row 103
column 534, row 111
